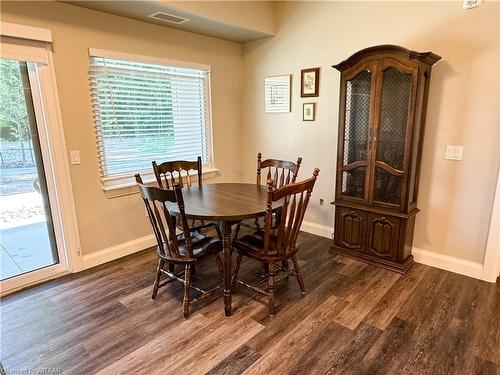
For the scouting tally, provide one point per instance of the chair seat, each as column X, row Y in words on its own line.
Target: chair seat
column 195, row 229
column 252, row 245
column 196, row 225
column 202, row 226
column 252, row 225
column 201, row 245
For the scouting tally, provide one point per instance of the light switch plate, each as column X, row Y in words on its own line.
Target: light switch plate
column 454, row 152
column 75, row 157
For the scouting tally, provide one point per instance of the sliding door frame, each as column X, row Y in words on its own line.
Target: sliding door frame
column 33, row 45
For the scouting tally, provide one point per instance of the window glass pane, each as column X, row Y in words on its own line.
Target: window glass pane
column 387, row 187
column 357, row 118
column 27, row 240
column 396, row 92
column 146, row 112
column 353, row 182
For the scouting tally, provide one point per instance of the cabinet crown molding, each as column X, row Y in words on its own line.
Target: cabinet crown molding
column 422, row 57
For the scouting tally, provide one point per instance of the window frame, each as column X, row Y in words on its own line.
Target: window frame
column 124, row 184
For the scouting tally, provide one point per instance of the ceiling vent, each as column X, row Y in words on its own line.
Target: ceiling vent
column 170, row 18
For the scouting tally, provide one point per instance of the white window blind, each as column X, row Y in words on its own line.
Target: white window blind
column 145, row 112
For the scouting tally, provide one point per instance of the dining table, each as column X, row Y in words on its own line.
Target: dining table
column 225, row 204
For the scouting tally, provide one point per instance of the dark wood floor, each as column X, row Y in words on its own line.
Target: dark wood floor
column 355, row 319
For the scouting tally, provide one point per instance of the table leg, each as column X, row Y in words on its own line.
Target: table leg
column 226, row 249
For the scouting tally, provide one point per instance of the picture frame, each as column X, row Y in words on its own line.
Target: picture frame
column 309, row 83
column 308, row 111
column 277, row 94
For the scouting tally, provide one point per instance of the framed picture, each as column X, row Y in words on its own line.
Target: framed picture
column 308, row 111
column 309, row 83
column 278, row 93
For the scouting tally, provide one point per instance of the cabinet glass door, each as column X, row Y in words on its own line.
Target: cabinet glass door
column 356, row 131
column 391, row 135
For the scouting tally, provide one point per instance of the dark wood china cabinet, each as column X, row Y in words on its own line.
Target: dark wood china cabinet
column 383, row 100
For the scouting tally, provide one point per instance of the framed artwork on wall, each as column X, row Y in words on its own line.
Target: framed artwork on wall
column 309, row 111
column 277, row 93
column 309, row 83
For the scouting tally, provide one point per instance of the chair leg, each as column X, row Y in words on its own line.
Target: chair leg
column 257, row 225
column 286, row 267
column 271, row 289
column 265, row 270
column 187, row 283
column 218, row 260
column 161, row 262
column 236, row 271
column 236, row 232
column 298, row 274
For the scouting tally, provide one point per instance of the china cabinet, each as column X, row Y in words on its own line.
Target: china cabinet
column 383, row 101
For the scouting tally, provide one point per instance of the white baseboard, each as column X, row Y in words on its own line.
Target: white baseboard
column 449, row 263
column 118, row 251
column 317, row 229
column 430, row 258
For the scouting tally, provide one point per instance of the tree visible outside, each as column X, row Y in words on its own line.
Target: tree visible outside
column 24, row 238
column 135, row 114
column 17, row 162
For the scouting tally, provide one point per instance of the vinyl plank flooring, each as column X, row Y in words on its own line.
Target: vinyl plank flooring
column 286, row 320
column 362, row 303
column 344, row 355
column 237, row 362
column 389, row 352
column 402, row 291
column 354, row 319
column 316, row 354
column 434, row 340
column 283, row 355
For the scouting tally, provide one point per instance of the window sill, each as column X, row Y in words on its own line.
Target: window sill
column 126, row 185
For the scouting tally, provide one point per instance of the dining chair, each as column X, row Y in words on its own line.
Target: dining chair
column 282, row 172
column 174, row 172
column 185, row 250
column 171, row 172
column 275, row 246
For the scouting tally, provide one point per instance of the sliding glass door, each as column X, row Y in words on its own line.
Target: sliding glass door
column 38, row 228
column 27, row 240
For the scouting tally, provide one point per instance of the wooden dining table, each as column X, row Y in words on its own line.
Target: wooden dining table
column 225, row 204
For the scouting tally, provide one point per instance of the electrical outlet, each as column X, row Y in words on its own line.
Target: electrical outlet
column 454, row 152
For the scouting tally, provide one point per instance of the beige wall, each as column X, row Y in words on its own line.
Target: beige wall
column 455, row 197
column 106, row 222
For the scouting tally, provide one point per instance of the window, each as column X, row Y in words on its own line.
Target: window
column 145, row 112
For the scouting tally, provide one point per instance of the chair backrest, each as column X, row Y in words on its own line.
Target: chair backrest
column 155, row 200
column 170, row 173
column 295, row 199
column 282, row 172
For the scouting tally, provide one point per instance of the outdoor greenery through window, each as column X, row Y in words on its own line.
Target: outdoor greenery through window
column 145, row 112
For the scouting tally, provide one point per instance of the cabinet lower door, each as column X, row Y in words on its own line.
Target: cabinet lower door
column 351, row 228
column 383, row 236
